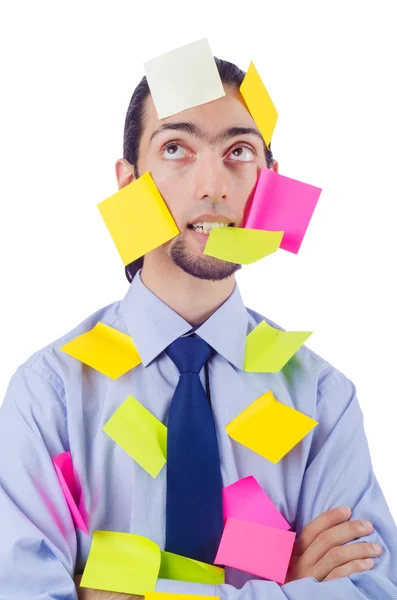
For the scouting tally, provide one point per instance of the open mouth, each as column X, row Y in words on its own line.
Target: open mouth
column 206, row 227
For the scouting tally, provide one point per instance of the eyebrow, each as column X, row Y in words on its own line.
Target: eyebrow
column 192, row 129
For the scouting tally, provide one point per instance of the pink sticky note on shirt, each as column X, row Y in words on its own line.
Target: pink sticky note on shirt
column 280, row 203
column 245, row 500
column 64, row 468
column 257, row 549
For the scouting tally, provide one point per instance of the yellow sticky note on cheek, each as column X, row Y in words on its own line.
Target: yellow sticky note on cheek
column 138, row 219
column 270, row 428
column 259, row 103
column 105, row 349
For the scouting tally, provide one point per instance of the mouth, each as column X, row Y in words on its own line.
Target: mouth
column 205, row 228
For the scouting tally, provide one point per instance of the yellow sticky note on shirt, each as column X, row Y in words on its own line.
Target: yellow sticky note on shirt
column 270, row 428
column 182, row 568
column 105, row 349
column 168, row 596
column 140, row 434
column 138, row 219
column 259, row 103
column 268, row 349
column 240, row 245
column 122, row 562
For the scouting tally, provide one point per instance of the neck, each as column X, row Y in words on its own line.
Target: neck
column 195, row 300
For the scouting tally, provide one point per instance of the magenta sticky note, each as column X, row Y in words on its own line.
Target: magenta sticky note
column 280, row 203
column 246, row 500
column 64, row 468
column 257, row 549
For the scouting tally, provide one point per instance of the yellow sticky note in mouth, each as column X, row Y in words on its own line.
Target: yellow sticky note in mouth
column 268, row 349
column 240, row 245
column 105, row 349
column 140, row 434
column 270, row 428
column 138, row 219
column 259, row 103
column 122, row 562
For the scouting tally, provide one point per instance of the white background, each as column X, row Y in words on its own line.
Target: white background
column 68, row 70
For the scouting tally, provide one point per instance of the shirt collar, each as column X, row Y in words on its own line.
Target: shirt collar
column 153, row 325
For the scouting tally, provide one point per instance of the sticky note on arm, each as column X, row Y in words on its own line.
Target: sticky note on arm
column 71, row 489
column 122, row 562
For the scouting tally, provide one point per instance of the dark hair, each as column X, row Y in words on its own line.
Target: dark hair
column 135, row 121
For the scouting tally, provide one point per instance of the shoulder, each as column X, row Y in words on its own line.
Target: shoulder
column 54, row 365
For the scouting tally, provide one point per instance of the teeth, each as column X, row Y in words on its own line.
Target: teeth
column 207, row 226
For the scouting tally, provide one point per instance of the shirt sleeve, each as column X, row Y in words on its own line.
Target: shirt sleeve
column 37, row 533
column 339, row 472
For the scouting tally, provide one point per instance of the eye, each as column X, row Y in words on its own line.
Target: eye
column 242, row 154
column 170, row 151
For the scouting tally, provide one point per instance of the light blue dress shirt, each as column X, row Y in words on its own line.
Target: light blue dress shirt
column 54, row 403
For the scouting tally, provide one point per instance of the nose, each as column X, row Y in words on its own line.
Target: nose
column 211, row 177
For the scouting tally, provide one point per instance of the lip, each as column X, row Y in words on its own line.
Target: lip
column 211, row 219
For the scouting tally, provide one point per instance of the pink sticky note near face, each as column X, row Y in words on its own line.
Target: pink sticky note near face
column 64, row 468
column 245, row 500
column 257, row 549
column 280, row 203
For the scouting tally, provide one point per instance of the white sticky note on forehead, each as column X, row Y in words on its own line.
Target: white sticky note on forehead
column 183, row 78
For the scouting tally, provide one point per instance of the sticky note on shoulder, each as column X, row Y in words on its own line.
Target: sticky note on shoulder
column 257, row 549
column 138, row 219
column 122, row 562
column 71, row 489
column 140, row 434
column 183, row 78
column 268, row 349
column 259, row 103
column 270, row 428
column 245, row 500
column 106, row 349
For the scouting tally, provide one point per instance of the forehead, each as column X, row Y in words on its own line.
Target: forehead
column 228, row 111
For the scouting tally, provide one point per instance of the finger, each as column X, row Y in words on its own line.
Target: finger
column 356, row 566
column 334, row 538
column 327, row 519
column 343, row 555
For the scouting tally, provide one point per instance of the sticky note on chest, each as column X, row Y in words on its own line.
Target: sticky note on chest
column 270, row 428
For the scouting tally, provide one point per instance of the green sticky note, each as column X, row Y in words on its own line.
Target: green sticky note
column 267, row 349
column 122, row 562
column 174, row 566
column 240, row 245
column 140, row 434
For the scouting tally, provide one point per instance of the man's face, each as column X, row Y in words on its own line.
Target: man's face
column 206, row 171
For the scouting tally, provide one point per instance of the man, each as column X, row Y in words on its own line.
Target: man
column 205, row 162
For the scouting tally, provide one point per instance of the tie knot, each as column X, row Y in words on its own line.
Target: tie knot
column 189, row 353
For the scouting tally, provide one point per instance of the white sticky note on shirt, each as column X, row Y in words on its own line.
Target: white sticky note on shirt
column 183, row 78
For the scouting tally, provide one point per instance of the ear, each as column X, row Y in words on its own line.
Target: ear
column 124, row 172
column 274, row 167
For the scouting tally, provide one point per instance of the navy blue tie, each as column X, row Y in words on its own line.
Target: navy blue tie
column 194, row 513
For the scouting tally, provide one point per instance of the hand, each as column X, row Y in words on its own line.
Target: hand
column 91, row 594
column 319, row 553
